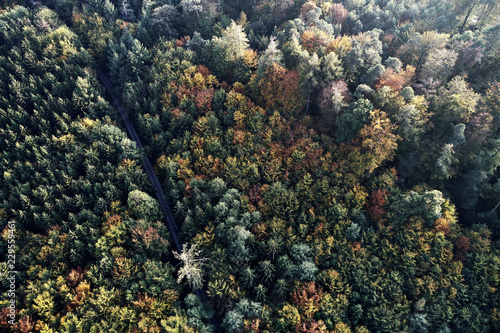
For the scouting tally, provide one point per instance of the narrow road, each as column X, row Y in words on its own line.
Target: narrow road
column 169, row 217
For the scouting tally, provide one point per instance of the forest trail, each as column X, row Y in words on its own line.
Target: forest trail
column 169, row 217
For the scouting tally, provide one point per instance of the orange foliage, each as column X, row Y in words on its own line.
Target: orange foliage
column 313, row 40
column 182, row 41
column 375, row 205
column 203, row 70
column 396, row 81
column 340, row 45
column 280, row 90
column 203, row 99
column 307, row 298
column 442, row 225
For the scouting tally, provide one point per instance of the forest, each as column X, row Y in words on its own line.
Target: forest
column 332, row 166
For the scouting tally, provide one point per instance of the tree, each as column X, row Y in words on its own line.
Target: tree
column 465, row 7
column 272, row 55
column 442, row 168
column 426, row 204
column 234, row 40
column 426, row 43
column 280, row 90
column 334, row 98
column 126, row 11
column 191, row 266
column 192, row 5
column 439, row 64
column 331, row 68
column 164, row 20
column 456, row 102
column 352, row 120
column 338, row 13
column 309, row 70
column 411, row 120
column 374, row 145
column 144, row 206
column 364, row 54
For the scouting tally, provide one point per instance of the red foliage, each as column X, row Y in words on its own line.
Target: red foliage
column 203, row 70
column 396, row 81
column 307, row 298
column 375, row 205
column 149, row 237
column 312, row 327
column 203, row 99
column 462, row 245
column 338, row 13
column 306, row 8
column 183, row 92
column 182, row 41
column 280, row 90
column 74, row 277
column 254, row 194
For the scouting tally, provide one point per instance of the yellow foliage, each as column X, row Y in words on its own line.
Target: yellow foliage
column 340, row 45
column 340, row 327
column 88, row 123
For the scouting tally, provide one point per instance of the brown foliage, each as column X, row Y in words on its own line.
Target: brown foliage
column 338, row 13
column 396, row 81
column 462, row 245
column 307, row 297
column 313, row 40
column 203, row 70
column 4, row 318
column 74, row 277
column 203, row 99
column 280, row 90
column 306, row 8
column 26, row 324
column 311, row 327
column 375, row 205
column 182, row 41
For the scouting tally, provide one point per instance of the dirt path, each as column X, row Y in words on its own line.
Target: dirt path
column 169, row 218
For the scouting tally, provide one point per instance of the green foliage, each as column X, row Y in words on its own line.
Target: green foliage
column 296, row 221
column 144, row 206
column 426, row 204
column 352, row 120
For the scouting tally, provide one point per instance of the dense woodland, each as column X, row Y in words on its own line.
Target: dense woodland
column 332, row 167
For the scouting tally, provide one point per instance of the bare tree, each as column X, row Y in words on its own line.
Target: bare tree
column 192, row 266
